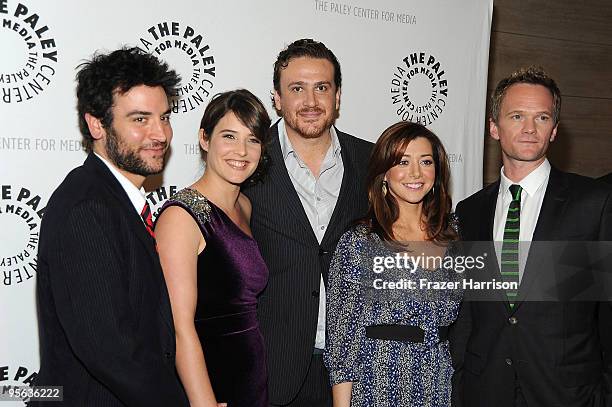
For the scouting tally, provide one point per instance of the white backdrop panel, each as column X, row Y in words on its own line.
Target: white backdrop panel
column 39, row 139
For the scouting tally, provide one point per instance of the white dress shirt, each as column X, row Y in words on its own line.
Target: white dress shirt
column 318, row 197
column 533, row 190
column 137, row 196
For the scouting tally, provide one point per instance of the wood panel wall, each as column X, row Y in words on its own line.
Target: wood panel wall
column 572, row 40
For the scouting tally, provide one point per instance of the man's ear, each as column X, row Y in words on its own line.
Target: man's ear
column 95, row 126
column 277, row 104
column 493, row 130
column 204, row 140
column 338, row 93
column 554, row 133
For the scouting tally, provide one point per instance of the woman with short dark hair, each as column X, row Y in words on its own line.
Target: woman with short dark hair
column 212, row 265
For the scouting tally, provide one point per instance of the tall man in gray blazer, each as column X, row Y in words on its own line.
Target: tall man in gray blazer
column 519, row 350
column 313, row 191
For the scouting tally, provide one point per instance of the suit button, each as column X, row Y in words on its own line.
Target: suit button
column 513, row 320
column 315, row 293
column 169, row 355
column 509, row 361
column 323, row 252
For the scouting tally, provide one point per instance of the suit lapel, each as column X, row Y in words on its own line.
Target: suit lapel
column 488, row 210
column 284, row 190
column 349, row 190
column 137, row 226
column 124, row 201
column 553, row 206
column 486, row 234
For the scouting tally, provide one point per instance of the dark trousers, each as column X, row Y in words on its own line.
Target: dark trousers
column 316, row 391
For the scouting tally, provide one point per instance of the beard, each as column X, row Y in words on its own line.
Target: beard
column 310, row 129
column 127, row 158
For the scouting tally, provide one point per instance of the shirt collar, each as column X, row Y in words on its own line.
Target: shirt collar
column 287, row 147
column 137, row 196
column 531, row 183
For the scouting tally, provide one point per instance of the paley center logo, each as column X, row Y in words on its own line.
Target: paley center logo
column 28, row 53
column 15, row 377
column 187, row 51
column 21, row 211
column 158, row 197
column 419, row 88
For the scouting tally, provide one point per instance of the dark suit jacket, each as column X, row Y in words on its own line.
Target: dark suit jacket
column 289, row 306
column 606, row 178
column 552, row 350
column 106, row 329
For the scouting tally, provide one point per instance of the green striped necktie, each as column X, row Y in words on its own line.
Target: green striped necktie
column 510, row 246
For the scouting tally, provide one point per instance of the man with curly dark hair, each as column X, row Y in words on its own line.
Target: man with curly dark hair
column 106, row 330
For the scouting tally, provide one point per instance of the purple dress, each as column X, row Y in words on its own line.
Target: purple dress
column 231, row 274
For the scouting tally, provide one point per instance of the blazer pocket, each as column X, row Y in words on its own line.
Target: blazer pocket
column 580, row 374
column 473, row 362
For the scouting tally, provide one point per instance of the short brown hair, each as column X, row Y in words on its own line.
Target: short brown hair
column 534, row 75
column 305, row 47
column 250, row 111
column 383, row 209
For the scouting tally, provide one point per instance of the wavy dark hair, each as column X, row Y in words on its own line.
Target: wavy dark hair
column 251, row 112
column 99, row 79
column 383, row 209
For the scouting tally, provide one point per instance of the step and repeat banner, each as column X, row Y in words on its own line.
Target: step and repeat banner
column 401, row 60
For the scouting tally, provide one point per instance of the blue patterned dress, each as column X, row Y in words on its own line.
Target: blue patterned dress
column 386, row 372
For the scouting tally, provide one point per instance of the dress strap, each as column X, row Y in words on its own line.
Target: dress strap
column 193, row 202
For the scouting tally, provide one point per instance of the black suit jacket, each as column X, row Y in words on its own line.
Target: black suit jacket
column 106, row 330
column 553, row 350
column 606, row 178
column 289, row 306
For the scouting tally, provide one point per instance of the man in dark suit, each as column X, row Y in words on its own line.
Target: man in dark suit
column 106, row 330
column 606, row 178
column 314, row 189
column 522, row 350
